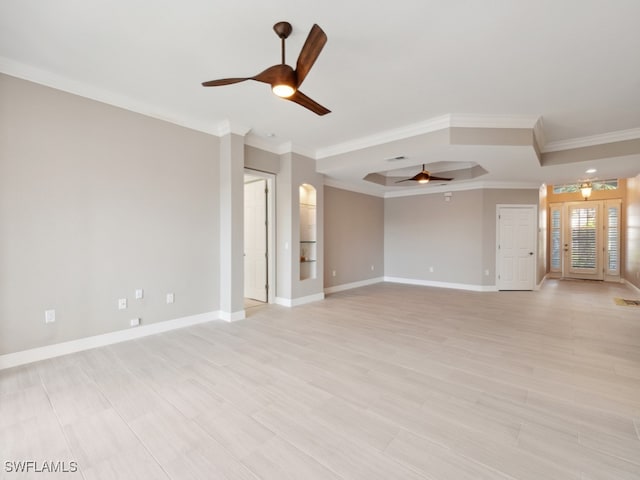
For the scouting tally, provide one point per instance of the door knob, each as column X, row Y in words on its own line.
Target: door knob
column 530, row 253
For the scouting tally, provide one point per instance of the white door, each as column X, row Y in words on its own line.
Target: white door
column 255, row 239
column 516, row 256
column 583, row 246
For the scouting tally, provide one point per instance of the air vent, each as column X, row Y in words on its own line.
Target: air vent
column 395, row 159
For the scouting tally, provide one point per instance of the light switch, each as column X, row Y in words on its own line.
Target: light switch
column 49, row 316
column 139, row 294
column 170, row 298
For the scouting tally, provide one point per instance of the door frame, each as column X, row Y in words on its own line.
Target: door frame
column 271, row 230
column 534, row 264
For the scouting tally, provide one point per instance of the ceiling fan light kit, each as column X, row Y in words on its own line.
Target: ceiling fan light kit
column 284, row 80
column 424, row 177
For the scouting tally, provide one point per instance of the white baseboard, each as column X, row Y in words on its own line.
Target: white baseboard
column 232, row 316
column 50, row 351
column 455, row 286
column 539, row 286
column 294, row 302
column 349, row 286
column 632, row 285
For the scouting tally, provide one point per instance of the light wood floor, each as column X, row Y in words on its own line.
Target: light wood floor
column 383, row 382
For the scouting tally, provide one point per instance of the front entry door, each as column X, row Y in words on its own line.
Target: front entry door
column 583, row 241
column 516, row 258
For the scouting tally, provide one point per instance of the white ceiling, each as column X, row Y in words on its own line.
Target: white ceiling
column 387, row 70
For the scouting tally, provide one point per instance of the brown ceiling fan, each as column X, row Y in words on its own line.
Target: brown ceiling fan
column 283, row 79
column 424, row 177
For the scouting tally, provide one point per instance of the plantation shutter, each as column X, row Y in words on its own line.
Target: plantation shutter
column 555, row 227
column 612, row 232
column 584, row 253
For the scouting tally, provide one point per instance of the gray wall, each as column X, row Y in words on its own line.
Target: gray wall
column 456, row 238
column 96, row 201
column 632, row 254
column 354, row 236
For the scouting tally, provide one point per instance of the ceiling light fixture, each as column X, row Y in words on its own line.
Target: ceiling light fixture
column 283, row 90
column 585, row 190
column 592, row 170
column 284, row 81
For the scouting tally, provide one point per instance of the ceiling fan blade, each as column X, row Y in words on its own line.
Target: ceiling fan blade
column 442, row 179
column 311, row 49
column 224, row 81
column 405, row 180
column 301, row 99
column 269, row 75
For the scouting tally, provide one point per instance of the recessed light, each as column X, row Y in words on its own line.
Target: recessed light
column 592, row 170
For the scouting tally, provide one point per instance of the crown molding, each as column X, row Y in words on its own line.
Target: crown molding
column 590, row 141
column 58, row 82
column 304, row 151
column 380, row 138
column 538, row 133
column 462, row 187
column 492, row 121
column 428, row 126
column 226, row 127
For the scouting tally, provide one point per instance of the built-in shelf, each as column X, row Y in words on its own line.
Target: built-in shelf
column 308, row 242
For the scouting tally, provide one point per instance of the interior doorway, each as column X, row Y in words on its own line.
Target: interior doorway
column 259, row 266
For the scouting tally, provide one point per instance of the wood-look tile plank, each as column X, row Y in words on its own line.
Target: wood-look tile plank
column 385, row 381
column 280, row 460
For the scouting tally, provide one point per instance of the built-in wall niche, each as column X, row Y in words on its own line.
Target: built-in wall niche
column 308, row 232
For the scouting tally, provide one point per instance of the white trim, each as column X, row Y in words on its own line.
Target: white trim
column 592, row 140
column 632, row 285
column 538, row 133
column 477, row 185
column 539, row 285
column 226, row 127
column 294, row 302
column 349, row 286
column 476, row 120
column 455, row 286
column 364, row 189
column 232, row 316
column 428, row 126
column 50, row 79
column 50, row 351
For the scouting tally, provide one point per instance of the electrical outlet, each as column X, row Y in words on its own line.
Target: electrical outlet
column 486, row 273
column 122, row 303
column 49, row 316
column 372, row 268
column 431, row 269
column 170, row 298
column 134, row 322
column 333, row 273
column 139, row 294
